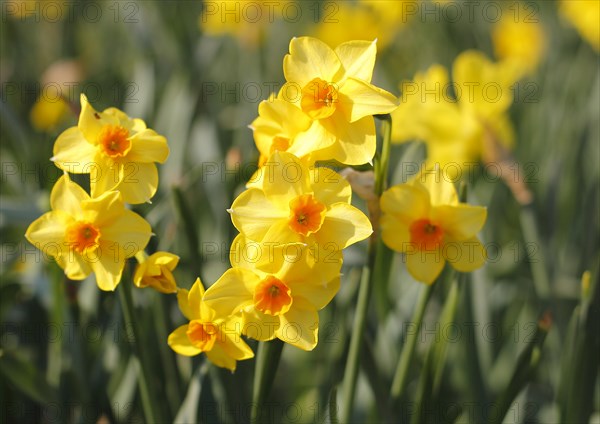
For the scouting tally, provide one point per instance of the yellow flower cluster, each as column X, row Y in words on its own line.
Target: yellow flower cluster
column 294, row 218
column 96, row 233
column 455, row 127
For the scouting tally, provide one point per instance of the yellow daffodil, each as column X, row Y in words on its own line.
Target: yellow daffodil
column 298, row 204
column 279, row 299
column 455, row 129
column 207, row 332
column 48, row 114
column 119, row 153
column 333, row 87
column 424, row 220
column 521, row 40
column 363, row 20
column 584, row 15
column 86, row 234
column 156, row 271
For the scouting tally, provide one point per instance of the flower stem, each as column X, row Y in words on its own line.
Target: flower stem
column 145, row 392
column 368, row 274
column 267, row 361
column 408, row 349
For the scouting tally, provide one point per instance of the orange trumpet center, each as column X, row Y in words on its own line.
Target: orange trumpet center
column 82, row 236
column 272, row 296
column 319, row 99
column 306, row 214
column 202, row 334
column 425, row 235
column 114, row 141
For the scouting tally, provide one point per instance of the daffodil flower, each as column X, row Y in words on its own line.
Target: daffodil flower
column 207, row 332
column 119, row 153
column 87, row 235
column 279, row 299
column 455, row 130
column 584, row 15
column 298, row 204
column 156, row 271
column 281, row 126
column 333, row 87
column 424, row 220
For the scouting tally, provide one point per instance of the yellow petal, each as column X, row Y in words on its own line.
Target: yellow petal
column 73, row 153
column 319, row 292
column 279, row 234
column 461, row 221
column 103, row 209
column 359, row 99
column 355, row 143
column 92, row 121
column 148, row 146
column 67, row 196
column 286, row 177
column 253, row 214
column 315, row 137
column 219, row 357
column 75, row 266
column 300, row 325
column 358, row 58
column 233, row 345
column 343, row 226
column 128, row 233
column 310, row 58
column 329, row 186
column 406, row 203
column 395, row 233
column 104, row 176
column 259, row 326
column 465, row 255
column 47, row 233
column 195, row 299
column 440, row 187
column 425, row 266
column 108, row 267
column 180, row 343
column 139, row 182
column 231, row 292
column 165, row 259
column 183, row 303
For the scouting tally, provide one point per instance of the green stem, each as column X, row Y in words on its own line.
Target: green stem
column 409, row 345
column 145, row 392
column 367, row 279
column 267, row 361
column 541, row 280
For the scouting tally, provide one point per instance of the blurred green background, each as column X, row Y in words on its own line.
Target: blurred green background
column 197, row 76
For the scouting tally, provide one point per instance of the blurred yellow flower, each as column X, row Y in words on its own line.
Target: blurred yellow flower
column 247, row 21
column 156, row 271
column 584, row 15
column 424, row 220
column 47, row 114
column 455, row 129
column 333, row 87
column 363, row 20
column 207, row 332
column 280, row 299
column 522, row 41
column 87, row 235
column 298, row 204
column 118, row 152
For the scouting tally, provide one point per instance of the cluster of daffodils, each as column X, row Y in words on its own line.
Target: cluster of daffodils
column 96, row 232
column 294, row 218
column 456, row 128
